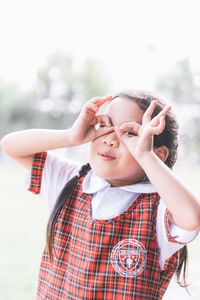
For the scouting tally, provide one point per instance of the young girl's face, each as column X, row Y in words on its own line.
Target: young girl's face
column 109, row 157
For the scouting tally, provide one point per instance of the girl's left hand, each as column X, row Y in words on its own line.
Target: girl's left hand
column 138, row 138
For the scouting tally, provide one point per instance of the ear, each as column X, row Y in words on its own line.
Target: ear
column 162, row 152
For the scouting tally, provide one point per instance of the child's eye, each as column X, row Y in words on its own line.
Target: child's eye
column 130, row 133
column 99, row 125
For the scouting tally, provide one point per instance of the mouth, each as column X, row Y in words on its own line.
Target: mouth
column 106, row 156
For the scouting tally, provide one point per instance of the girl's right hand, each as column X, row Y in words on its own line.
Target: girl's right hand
column 83, row 130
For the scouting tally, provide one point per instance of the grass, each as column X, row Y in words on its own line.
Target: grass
column 23, row 219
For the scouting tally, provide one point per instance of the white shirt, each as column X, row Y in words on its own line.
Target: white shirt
column 107, row 202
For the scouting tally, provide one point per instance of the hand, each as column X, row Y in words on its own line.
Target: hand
column 83, row 130
column 138, row 138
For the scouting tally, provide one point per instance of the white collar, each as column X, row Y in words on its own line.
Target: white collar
column 93, row 183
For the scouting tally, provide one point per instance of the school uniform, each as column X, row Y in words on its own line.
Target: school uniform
column 110, row 242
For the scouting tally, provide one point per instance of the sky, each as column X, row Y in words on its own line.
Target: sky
column 134, row 41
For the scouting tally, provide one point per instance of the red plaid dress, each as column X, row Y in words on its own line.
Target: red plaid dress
column 103, row 259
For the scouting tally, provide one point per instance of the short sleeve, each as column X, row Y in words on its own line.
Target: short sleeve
column 176, row 234
column 48, row 176
column 169, row 236
column 36, row 172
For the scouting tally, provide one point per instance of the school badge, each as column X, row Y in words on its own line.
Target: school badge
column 129, row 258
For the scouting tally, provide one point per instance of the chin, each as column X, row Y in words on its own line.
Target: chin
column 102, row 171
column 102, row 174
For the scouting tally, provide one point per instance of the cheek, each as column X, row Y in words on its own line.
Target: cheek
column 95, row 144
column 93, row 149
column 128, row 160
column 125, row 154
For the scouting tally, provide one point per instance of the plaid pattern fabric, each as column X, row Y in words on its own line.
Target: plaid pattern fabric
column 36, row 172
column 105, row 259
column 167, row 273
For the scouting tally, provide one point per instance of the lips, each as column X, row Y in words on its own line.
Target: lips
column 106, row 156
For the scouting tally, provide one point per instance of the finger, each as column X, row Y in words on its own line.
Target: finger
column 98, row 101
column 120, row 135
column 156, row 120
column 104, row 100
column 103, row 120
column 90, row 107
column 103, row 131
column 118, row 131
column 159, row 129
column 134, row 126
column 148, row 113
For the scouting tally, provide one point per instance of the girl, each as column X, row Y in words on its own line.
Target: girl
column 118, row 227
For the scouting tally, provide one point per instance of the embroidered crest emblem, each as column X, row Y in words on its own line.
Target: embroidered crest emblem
column 128, row 258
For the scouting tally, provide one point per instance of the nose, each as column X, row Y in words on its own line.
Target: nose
column 111, row 139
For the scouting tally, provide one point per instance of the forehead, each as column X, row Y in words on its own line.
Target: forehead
column 122, row 110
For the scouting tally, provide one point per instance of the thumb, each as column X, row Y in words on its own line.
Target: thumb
column 122, row 137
